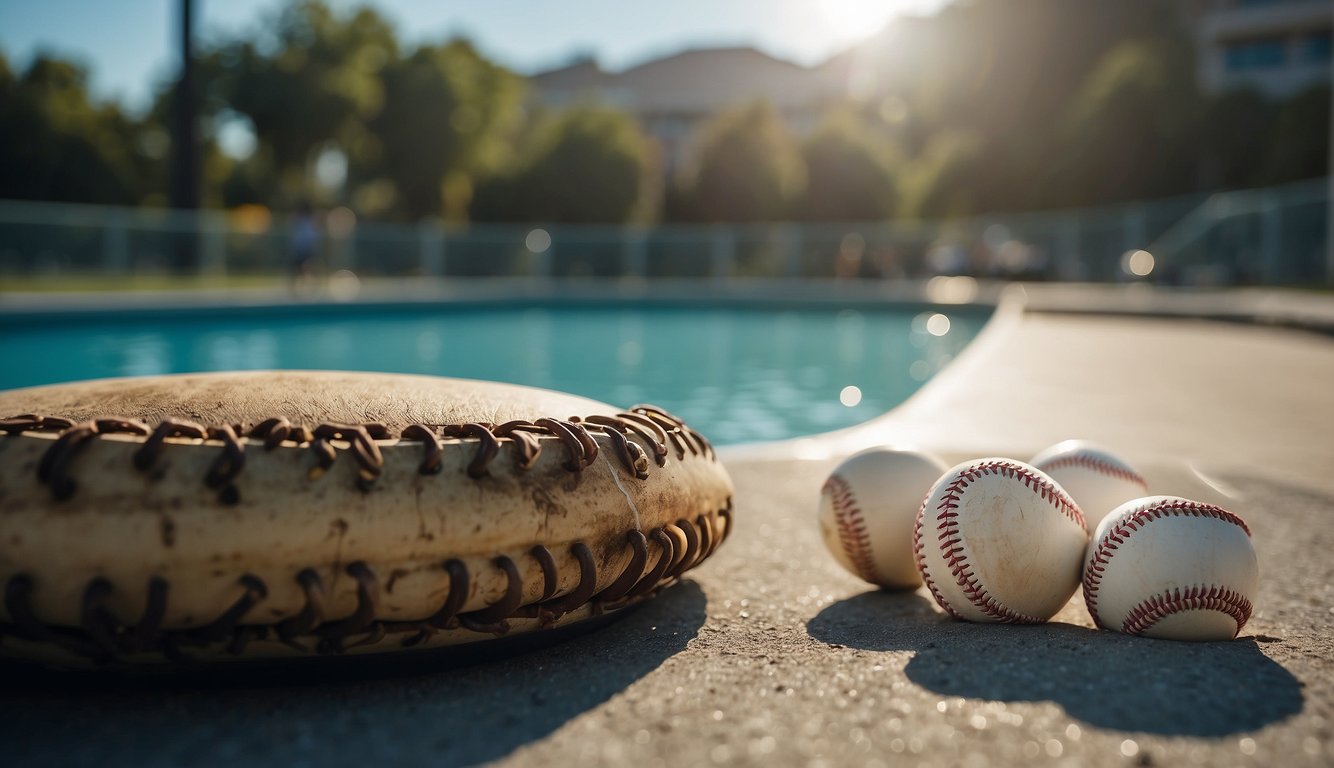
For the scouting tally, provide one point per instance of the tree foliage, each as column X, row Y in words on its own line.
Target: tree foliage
column 1296, row 151
column 748, row 168
column 996, row 105
column 587, row 164
column 850, row 173
column 57, row 144
column 939, row 182
column 1125, row 132
column 309, row 78
column 1231, row 128
column 447, row 116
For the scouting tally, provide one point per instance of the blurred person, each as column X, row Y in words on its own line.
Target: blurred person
column 850, row 252
column 889, row 262
column 305, row 244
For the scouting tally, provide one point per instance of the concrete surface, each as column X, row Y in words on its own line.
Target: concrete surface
column 770, row 654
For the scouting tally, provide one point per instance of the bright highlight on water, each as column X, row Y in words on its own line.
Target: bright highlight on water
column 741, row 375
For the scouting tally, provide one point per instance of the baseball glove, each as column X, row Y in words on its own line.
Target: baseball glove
column 270, row 514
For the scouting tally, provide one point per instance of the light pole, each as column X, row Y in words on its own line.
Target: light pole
column 1329, row 203
column 183, row 187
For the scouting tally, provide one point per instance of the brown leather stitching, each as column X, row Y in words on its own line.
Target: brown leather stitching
column 51, row 469
column 144, row 636
column 549, row 576
column 368, row 600
column 583, row 450
column 312, row 613
column 650, row 430
column 370, row 463
column 632, row 571
column 102, row 639
column 652, row 425
column 227, row 466
column 274, row 431
column 583, row 591
column 432, row 453
column 656, row 576
column 508, row 603
column 96, row 620
column 447, row 616
column 30, row 422
column 145, row 457
column 526, row 443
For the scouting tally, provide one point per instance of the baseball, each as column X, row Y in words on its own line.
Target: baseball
column 867, row 509
column 1097, row 479
column 1169, row 567
column 999, row 541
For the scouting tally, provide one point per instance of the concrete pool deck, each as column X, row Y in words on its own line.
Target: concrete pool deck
column 771, row 654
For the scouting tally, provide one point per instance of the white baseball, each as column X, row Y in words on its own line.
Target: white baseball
column 1165, row 566
column 998, row 541
column 1097, row 479
column 867, row 509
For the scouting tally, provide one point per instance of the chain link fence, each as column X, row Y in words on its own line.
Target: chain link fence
column 1274, row 236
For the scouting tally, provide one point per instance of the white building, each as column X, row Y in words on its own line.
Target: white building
column 1278, row 47
column 675, row 95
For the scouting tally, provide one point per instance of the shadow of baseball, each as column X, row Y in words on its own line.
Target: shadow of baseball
column 1105, row 679
column 432, row 707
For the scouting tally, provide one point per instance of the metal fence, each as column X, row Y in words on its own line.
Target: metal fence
column 1266, row 236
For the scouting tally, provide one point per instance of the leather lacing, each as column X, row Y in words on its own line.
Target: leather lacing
column 105, row 638
column 660, row 430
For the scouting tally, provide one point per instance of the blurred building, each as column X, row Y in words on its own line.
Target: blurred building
column 675, row 95
column 1276, row 46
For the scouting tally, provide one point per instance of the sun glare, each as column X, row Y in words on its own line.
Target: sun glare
column 857, row 19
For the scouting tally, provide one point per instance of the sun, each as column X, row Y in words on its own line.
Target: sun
column 856, row 19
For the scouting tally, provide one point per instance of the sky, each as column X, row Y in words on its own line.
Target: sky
column 129, row 44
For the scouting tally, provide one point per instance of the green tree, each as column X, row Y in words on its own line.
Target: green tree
column 587, row 164
column 849, row 173
column 1128, row 131
column 1234, row 124
column 748, row 168
column 447, row 116
column 308, row 81
column 1299, row 146
column 1008, row 71
column 938, row 182
column 57, row 144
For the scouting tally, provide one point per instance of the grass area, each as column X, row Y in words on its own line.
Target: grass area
column 156, row 282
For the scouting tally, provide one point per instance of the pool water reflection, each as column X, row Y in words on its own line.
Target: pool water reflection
column 738, row 375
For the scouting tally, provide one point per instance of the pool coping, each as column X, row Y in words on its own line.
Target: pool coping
column 1285, row 307
column 756, row 295
column 1287, row 310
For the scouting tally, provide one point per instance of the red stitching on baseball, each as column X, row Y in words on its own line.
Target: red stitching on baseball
column 1212, row 598
column 917, row 547
column 852, row 528
column 951, row 544
column 1117, row 535
column 1097, row 465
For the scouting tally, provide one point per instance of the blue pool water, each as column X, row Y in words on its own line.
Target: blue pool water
column 737, row 375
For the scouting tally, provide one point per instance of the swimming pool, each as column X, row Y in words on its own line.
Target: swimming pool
column 737, row 374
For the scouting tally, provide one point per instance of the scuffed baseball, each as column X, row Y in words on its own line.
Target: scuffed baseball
column 1095, row 477
column 1169, row 567
column 867, row 510
column 999, row 541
